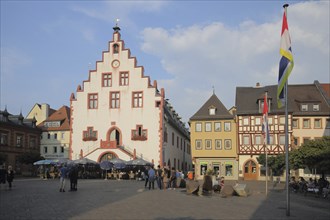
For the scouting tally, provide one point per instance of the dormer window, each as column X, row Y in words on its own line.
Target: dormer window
column 304, row 107
column 316, row 107
column 261, row 105
column 212, row 110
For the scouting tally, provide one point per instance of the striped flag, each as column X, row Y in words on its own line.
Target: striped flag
column 265, row 127
column 286, row 62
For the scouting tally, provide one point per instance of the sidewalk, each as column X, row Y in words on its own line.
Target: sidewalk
column 125, row 199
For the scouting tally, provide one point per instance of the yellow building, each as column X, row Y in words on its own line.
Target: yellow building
column 214, row 140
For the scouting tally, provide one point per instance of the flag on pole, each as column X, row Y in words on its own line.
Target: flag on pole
column 286, row 62
column 265, row 127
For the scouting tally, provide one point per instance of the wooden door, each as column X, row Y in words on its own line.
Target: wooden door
column 250, row 170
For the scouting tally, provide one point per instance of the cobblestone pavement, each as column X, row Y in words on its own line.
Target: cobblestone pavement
column 128, row 199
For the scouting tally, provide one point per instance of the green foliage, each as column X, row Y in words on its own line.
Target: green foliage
column 316, row 154
column 30, row 157
column 275, row 163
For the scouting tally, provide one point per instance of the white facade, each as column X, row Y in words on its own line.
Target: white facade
column 117, row 110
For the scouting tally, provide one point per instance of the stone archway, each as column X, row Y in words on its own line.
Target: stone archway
column 251, row 170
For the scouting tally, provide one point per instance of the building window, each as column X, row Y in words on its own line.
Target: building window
column 48, row 135
column 246, row 140
column 258, row 139
column 62, row 135
column 198, row 127
column 139, row 134
column 306, row 140
column 114, row 99
column 295, row 123
column 198, row 144
column 270, row 120
column 304, row 107
column 227, row 126
column 62, row 149
column 177, row 141
column 271, row 139
column 317, row 123
column 106, row 79
column 316, row 107
column 123, row 79
column 218, row 145
column 282, row 139
column 245, row 121
column 54, row 149
column 115, row 48
column 19, row 140
column 227, row 144
column 306, row 123
column 212, row 111
column 89, row 134
column 282, row 120
column 208, row 126
column 327, row 124
column 172, row 138
column 295, row 141
column 92, row 100
column 217, row 126
column 208, row 144
column 33, row 142
column 45, row 150
column 258, row 121
column 165, row 134
column 137, row 99
column 229, row 169
column 55, row 136
column 3, row 138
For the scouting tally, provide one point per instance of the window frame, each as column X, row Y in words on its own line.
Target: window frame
column 114, row 100
column 137, row 99
column 92, row 101
column 198, row 142
column 124, row 78
column 107, row 79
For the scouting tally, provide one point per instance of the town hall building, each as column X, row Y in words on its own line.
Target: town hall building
column 119, row 113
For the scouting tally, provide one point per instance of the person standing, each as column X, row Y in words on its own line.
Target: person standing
column 166, row 176
column 159, row 174
column 151, row 177
column 63, row 176
column 73, row 178
column 173, row 179
column 146, row 177
column 10, row 176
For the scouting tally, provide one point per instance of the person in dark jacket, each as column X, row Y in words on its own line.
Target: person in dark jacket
column 10, row 176
column 73, row 178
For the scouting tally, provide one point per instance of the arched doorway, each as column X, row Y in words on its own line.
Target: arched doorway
column 108, row 156
column 250, row 170
column 114, row 137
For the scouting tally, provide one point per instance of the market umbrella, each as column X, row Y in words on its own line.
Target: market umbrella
column 84, row 161
column 139, row 162
column 43, row 162
column 118, row 163
column 106, row 165
column 61, row 161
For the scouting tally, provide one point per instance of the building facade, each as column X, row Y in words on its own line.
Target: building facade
column 214, row 140
column 55, row 137
column 118, row 113
column 40, row 112
column 18, row 136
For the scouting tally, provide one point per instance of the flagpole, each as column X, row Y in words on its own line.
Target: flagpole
column 266, row 151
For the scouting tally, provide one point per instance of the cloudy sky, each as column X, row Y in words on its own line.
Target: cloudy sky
column 189, row 47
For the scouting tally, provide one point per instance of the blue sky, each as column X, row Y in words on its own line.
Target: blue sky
column 48, row 47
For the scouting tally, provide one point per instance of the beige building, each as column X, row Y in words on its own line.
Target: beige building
column 213, row 140
column 40, row 112
column 55, row 137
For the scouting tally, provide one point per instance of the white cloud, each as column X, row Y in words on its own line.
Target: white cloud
column 198, row 57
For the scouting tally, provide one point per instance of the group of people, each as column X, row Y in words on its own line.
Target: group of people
column 68, row 173
column 165, row 177
column 320, row 186
column 6, row 175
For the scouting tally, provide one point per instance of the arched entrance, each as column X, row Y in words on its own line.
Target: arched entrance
column 114, row 137
column 107, row 156
column 250, row 170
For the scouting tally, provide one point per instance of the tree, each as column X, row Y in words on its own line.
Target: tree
column 30, row 157
column 275, row 163
column 316, row 153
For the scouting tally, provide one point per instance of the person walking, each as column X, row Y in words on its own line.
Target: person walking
column 63, row 176
column 159, row 174
column 10, row 176
column 151, row 177
column 73, row 174
column 145, row 176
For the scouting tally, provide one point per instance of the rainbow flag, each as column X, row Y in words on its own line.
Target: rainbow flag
column 286, row 62
column 265, row 127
